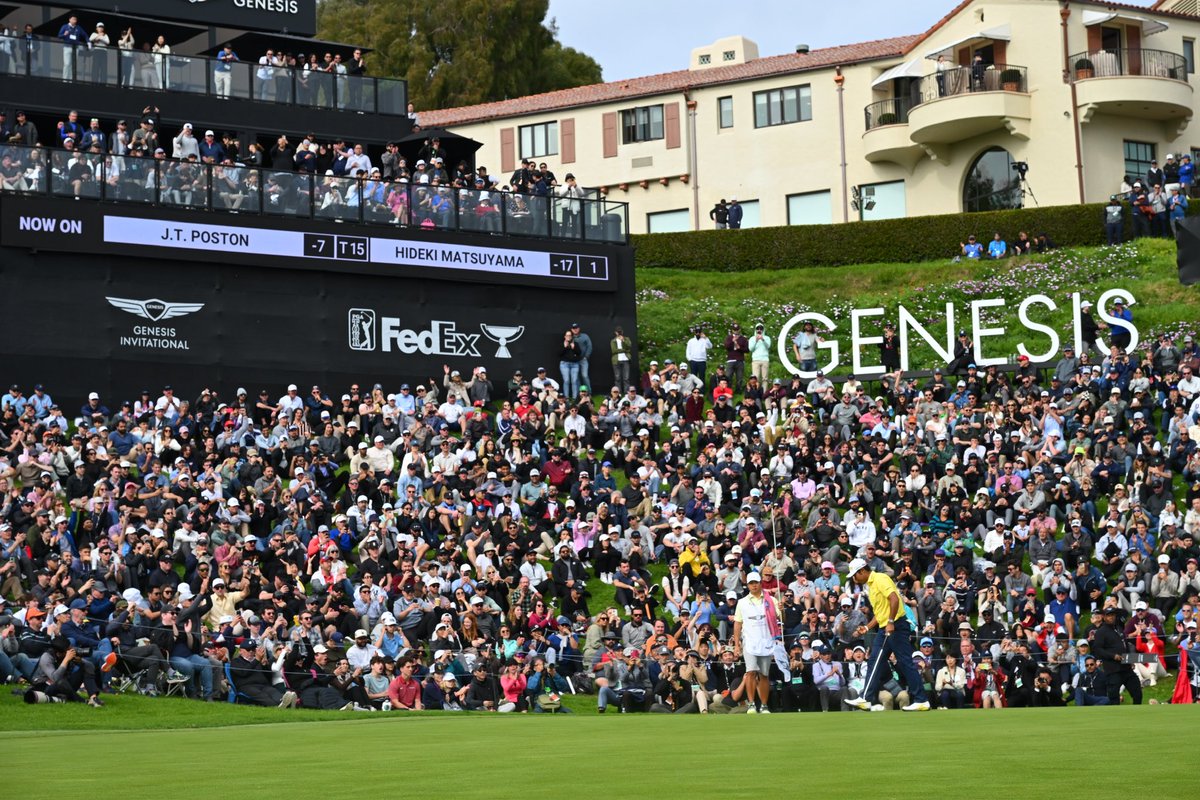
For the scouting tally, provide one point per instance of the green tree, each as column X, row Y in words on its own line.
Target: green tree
column 459, row 52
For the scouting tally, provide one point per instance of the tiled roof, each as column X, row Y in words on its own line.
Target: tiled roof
column 670, row 82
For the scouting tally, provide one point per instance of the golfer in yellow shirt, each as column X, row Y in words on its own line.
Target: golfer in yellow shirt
column 887, row 609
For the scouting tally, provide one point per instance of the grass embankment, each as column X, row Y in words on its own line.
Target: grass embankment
column 671, row 301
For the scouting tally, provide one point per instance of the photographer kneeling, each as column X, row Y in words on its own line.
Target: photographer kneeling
column 60, row 673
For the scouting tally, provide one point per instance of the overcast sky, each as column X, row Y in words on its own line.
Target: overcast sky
column 631, row 38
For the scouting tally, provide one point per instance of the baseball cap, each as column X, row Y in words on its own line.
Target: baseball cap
column 856, row 565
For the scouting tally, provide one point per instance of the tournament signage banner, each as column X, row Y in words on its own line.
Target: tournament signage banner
column 295, row 16
column 116, row 324
column 294, row 243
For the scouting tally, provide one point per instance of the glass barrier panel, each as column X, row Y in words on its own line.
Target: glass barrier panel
column 97, row 65
column 183, row 183
column 567, row 216
column 391, row 96
column 184, row 73
column 479, row 211
column 360, row 93
column 272, row 84
column 76, row 174
column 22, row 169
column 286, row 193
column 336, row 198
column 527, row 215
column 235, row 188
column 314, row 89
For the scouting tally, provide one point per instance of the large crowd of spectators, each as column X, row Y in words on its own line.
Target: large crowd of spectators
column 441, row 545
column 338, row 180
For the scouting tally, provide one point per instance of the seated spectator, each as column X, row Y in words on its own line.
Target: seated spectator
column 971, row 248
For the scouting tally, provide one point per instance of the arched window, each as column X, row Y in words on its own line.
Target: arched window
column 992, row 183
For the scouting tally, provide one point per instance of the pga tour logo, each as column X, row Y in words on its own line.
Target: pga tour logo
column 368, row 332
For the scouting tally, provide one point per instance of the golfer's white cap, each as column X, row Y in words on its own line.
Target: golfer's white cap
column 856, row 565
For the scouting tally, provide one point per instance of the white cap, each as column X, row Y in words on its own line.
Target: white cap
column 754, row 577
column 361, row 634
column 856, row 565
column 320, row 649
column 1140, row 606
column 93, row 396
column 233, row 502
column 292, row 387
column 218, row 582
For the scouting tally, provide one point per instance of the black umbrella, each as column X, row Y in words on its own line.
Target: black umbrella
column 456, row 146
column 1187, row 243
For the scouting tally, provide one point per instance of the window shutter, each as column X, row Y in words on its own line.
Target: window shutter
column 671, row 124
column 610, row 134
column 508, row 150
column 566, row 147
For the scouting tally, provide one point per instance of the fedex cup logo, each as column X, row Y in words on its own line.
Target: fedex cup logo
column 368, row 332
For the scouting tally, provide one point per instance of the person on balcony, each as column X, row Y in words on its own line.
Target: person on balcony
column 978, row 73
column 943, row 66
column 73, row 37
column 223, row 71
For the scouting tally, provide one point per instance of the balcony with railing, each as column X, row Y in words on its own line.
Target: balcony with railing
column 886, row 132
column 962, row 102
column 201, row 75
column 1147, row 84
column 231, row 189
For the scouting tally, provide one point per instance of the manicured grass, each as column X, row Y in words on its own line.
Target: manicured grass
column 671, row 301
column 612, row 756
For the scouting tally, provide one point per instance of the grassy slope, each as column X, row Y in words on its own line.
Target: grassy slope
column 672, row 300
column 607, row 752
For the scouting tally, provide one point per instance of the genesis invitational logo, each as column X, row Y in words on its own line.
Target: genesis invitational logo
column 154, row 337
column 368, row 332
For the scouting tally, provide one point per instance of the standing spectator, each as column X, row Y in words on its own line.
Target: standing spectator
column 185, row 144
column 162, row 63
column 696, row 353
column 1177, row 205
column 574, row 195
column 73, row 37
column 736, row 348
column 720, row 215
column 568, row 365
column 622, row 353
column 804, row 346
column 98, row 44
column 1120, row 334
column 1187, row 174
column 356, row 69
column 760, row 355
column 1114, row 220
column 585, row 354
column 735, row 214
column 223, row 71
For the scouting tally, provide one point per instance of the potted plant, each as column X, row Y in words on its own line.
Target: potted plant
column 1010, row 79
column 1084, row 69
column 888, row 119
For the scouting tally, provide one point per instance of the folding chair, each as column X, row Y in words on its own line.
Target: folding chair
column 175, row 684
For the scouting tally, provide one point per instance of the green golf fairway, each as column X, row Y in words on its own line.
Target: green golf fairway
column 1031, row 753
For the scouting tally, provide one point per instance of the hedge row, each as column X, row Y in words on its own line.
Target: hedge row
column 876, row 241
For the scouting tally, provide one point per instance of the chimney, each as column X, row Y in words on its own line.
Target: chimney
column 802, row 49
